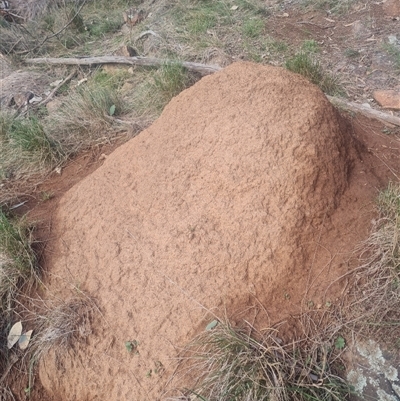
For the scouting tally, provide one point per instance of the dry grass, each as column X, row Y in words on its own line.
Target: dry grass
column 86, row 117
column 62, row 324
column 376, row 288
column 231, row 363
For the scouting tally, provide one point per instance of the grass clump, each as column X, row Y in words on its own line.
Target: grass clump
column 377, row 280
column 304, row 64
column 242, row 364
column 165, row 83
column 18, row 261
column 253, row 27
column 170, row 80
column 86, row 116
column 63, row 324
column 24, row 146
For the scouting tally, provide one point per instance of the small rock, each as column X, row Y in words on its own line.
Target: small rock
column 35, row 99
column 388, row 99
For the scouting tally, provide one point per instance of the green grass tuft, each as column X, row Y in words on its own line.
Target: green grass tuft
column 253, row 27
column 311, row 69
column 25, row 147
column 18, row 261
column 165, row 83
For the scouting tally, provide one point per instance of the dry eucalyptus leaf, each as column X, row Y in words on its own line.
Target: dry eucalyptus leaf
column 14, row 334
column 23, row 341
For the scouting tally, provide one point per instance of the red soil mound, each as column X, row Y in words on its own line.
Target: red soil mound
column 240, row 190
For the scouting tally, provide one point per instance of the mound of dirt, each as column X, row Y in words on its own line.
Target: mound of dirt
column 240, row 191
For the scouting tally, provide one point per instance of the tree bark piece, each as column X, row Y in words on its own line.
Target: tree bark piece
column 203, row 69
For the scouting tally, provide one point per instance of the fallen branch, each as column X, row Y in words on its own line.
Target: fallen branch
column 203, row 69
column 365, row 110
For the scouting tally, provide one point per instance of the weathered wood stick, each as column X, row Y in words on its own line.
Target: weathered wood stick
column 366, row 111
column 203, row 69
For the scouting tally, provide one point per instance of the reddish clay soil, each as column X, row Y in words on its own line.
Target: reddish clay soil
column 249, row 189
column 353, row 45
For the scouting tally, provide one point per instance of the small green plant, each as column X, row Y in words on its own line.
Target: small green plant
column 279, row 46
column 305, row 65
column 340, row 342
column 253, row 27
column 171, row 80
column 131, row 346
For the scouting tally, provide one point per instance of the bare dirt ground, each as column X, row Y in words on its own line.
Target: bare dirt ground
column 352, row 43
